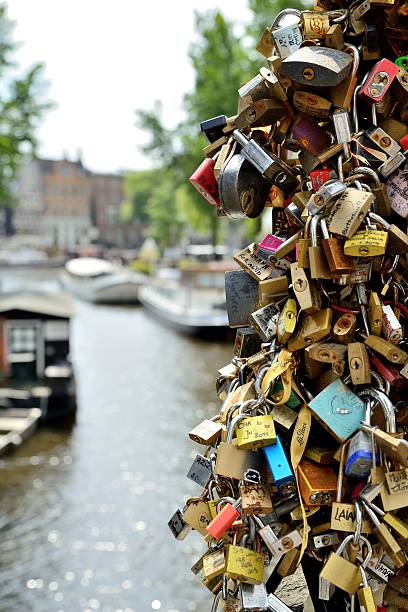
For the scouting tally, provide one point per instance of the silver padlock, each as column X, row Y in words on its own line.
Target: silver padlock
column 317, row 66
column 200, row 471
column 254, row 597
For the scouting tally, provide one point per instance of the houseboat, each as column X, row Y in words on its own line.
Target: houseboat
column 35, row 365
column 190, row 298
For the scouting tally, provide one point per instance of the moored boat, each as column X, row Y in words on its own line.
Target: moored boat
column 190, row 299
column 101, row 282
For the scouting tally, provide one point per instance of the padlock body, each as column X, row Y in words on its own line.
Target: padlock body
column 359, row 456
column 279, row 465
column 337, row 260
column 205, row 182
column 341, row 573
column 223, row 521
column 244, row 565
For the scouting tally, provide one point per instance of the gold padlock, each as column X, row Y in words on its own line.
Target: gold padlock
column 340, row 572
column 359, row 363
column 366, row 243
column 313, row 328
column 306, row 290
column 347, row 214
column 287, row 321
column 255, row 432
column 375, row 314
column 244, row 564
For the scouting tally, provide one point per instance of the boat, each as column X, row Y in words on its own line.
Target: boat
column 190, row 298
column 16, row 426
column 101, row 282
column 35, row 364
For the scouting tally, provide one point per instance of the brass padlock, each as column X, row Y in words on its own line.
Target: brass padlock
column 340, row 572
column 319, row 268
column 306, row 291
column 375, row 314
column 344, row 328
column 327, row 352
column 244, row 564
column 313, row 328
column 255, row 498
column 315, row 24
column 338, row 261
column 366, row 243
column 254, row 432
column 317, row 484
column 359, row 364
column 386, row 349
column 303, row 244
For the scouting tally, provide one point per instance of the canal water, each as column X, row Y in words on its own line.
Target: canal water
column 83, row 514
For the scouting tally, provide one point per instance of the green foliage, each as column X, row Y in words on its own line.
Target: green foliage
column 138, row 187
column 22, row 104
column 165, row 222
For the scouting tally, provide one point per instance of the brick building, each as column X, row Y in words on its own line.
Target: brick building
column 65, row 205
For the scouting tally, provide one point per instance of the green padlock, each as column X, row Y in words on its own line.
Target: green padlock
column 402, row 61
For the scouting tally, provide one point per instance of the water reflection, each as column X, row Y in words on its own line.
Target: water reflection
column 84, row 512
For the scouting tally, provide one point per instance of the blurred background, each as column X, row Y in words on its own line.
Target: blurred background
column 112, row 307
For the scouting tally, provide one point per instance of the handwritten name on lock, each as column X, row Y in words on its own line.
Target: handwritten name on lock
column 397, row 481
column 256, row 429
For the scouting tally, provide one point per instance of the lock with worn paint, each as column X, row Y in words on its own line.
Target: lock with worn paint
column 247, row 341
column 313, row 328
column 378, row 81
column 200, row 470
column 317, row 483
column 255, row 498
column 344, row 328
column 338, row 260
column 244, row 564
column 241, row 293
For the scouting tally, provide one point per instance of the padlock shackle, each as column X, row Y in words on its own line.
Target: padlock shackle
column 284, row 13
column 386, row 404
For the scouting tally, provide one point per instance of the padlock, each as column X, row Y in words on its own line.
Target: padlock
column 317, row 66
column 359, row 364
column 178, row 527
column 225, row 518
column 213, row 128
column 243, row 192
column 382, row 140
column 315, row 24
column 265, row 321
column 247, row 341
column 275, row 170
column 286, row 321
column 378, row 190
column 397, row 524
column 375, row 314
column 339, row 410
column 206, row 432
column 197, row 514
column 241, row 293
column 386, row 539
column 232, row 461
column 287, row 39
column 317, row 484
column 397, row 189
column 254, row 432
column 279, row 467
column 325, row 196
column 254, row 597
column 347, row 214
column 259, row 113
column 327, row 352
column 313, row 328
column 371, row 43
column 334, row 37
column 365, row 594
column 341, row 95
column 205, row 182
column 302, row 246
column 214, row 564
column 312, row 105
column 398, row 240
column 337, row 259
column 255, row 265
column 361, row 447
column 378, row 81
column 366, row 243
column 270, row 244
column 200, row 470
column 391, row 327
column 244, row 564
column 310, row 135
column 255, row 498
column 319, row 268
column 271, row 289
column 340, row 572
column 386, row 349
column 305, row 290
column 344, row 328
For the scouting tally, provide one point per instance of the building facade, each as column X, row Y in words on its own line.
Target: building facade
column 66, row 206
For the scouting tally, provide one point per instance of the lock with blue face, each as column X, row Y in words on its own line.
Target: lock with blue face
column 339, row 410
column 280, row 467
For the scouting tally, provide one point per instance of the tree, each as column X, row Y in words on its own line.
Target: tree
column 22, row 105
column 138, row 187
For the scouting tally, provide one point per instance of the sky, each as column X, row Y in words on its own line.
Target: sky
column 104, row 59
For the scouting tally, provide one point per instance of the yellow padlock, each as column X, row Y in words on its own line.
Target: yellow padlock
column 244, row 565
column 256, row 432
column 367, row 243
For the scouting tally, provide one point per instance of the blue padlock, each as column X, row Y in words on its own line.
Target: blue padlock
column 280, row 467
column 359, row 459
column 339, row 410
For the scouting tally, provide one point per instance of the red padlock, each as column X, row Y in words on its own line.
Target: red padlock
column 320, row 177
column 379, row 81
column 404, row 142
column 205, row 182
column 224, row 520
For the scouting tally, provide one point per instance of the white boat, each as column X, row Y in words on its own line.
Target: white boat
column 191, row 299
column 101, row 282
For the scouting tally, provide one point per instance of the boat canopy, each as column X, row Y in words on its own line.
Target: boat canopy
column 88, row 267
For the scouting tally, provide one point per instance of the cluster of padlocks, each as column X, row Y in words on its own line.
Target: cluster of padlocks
column 306, row 461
